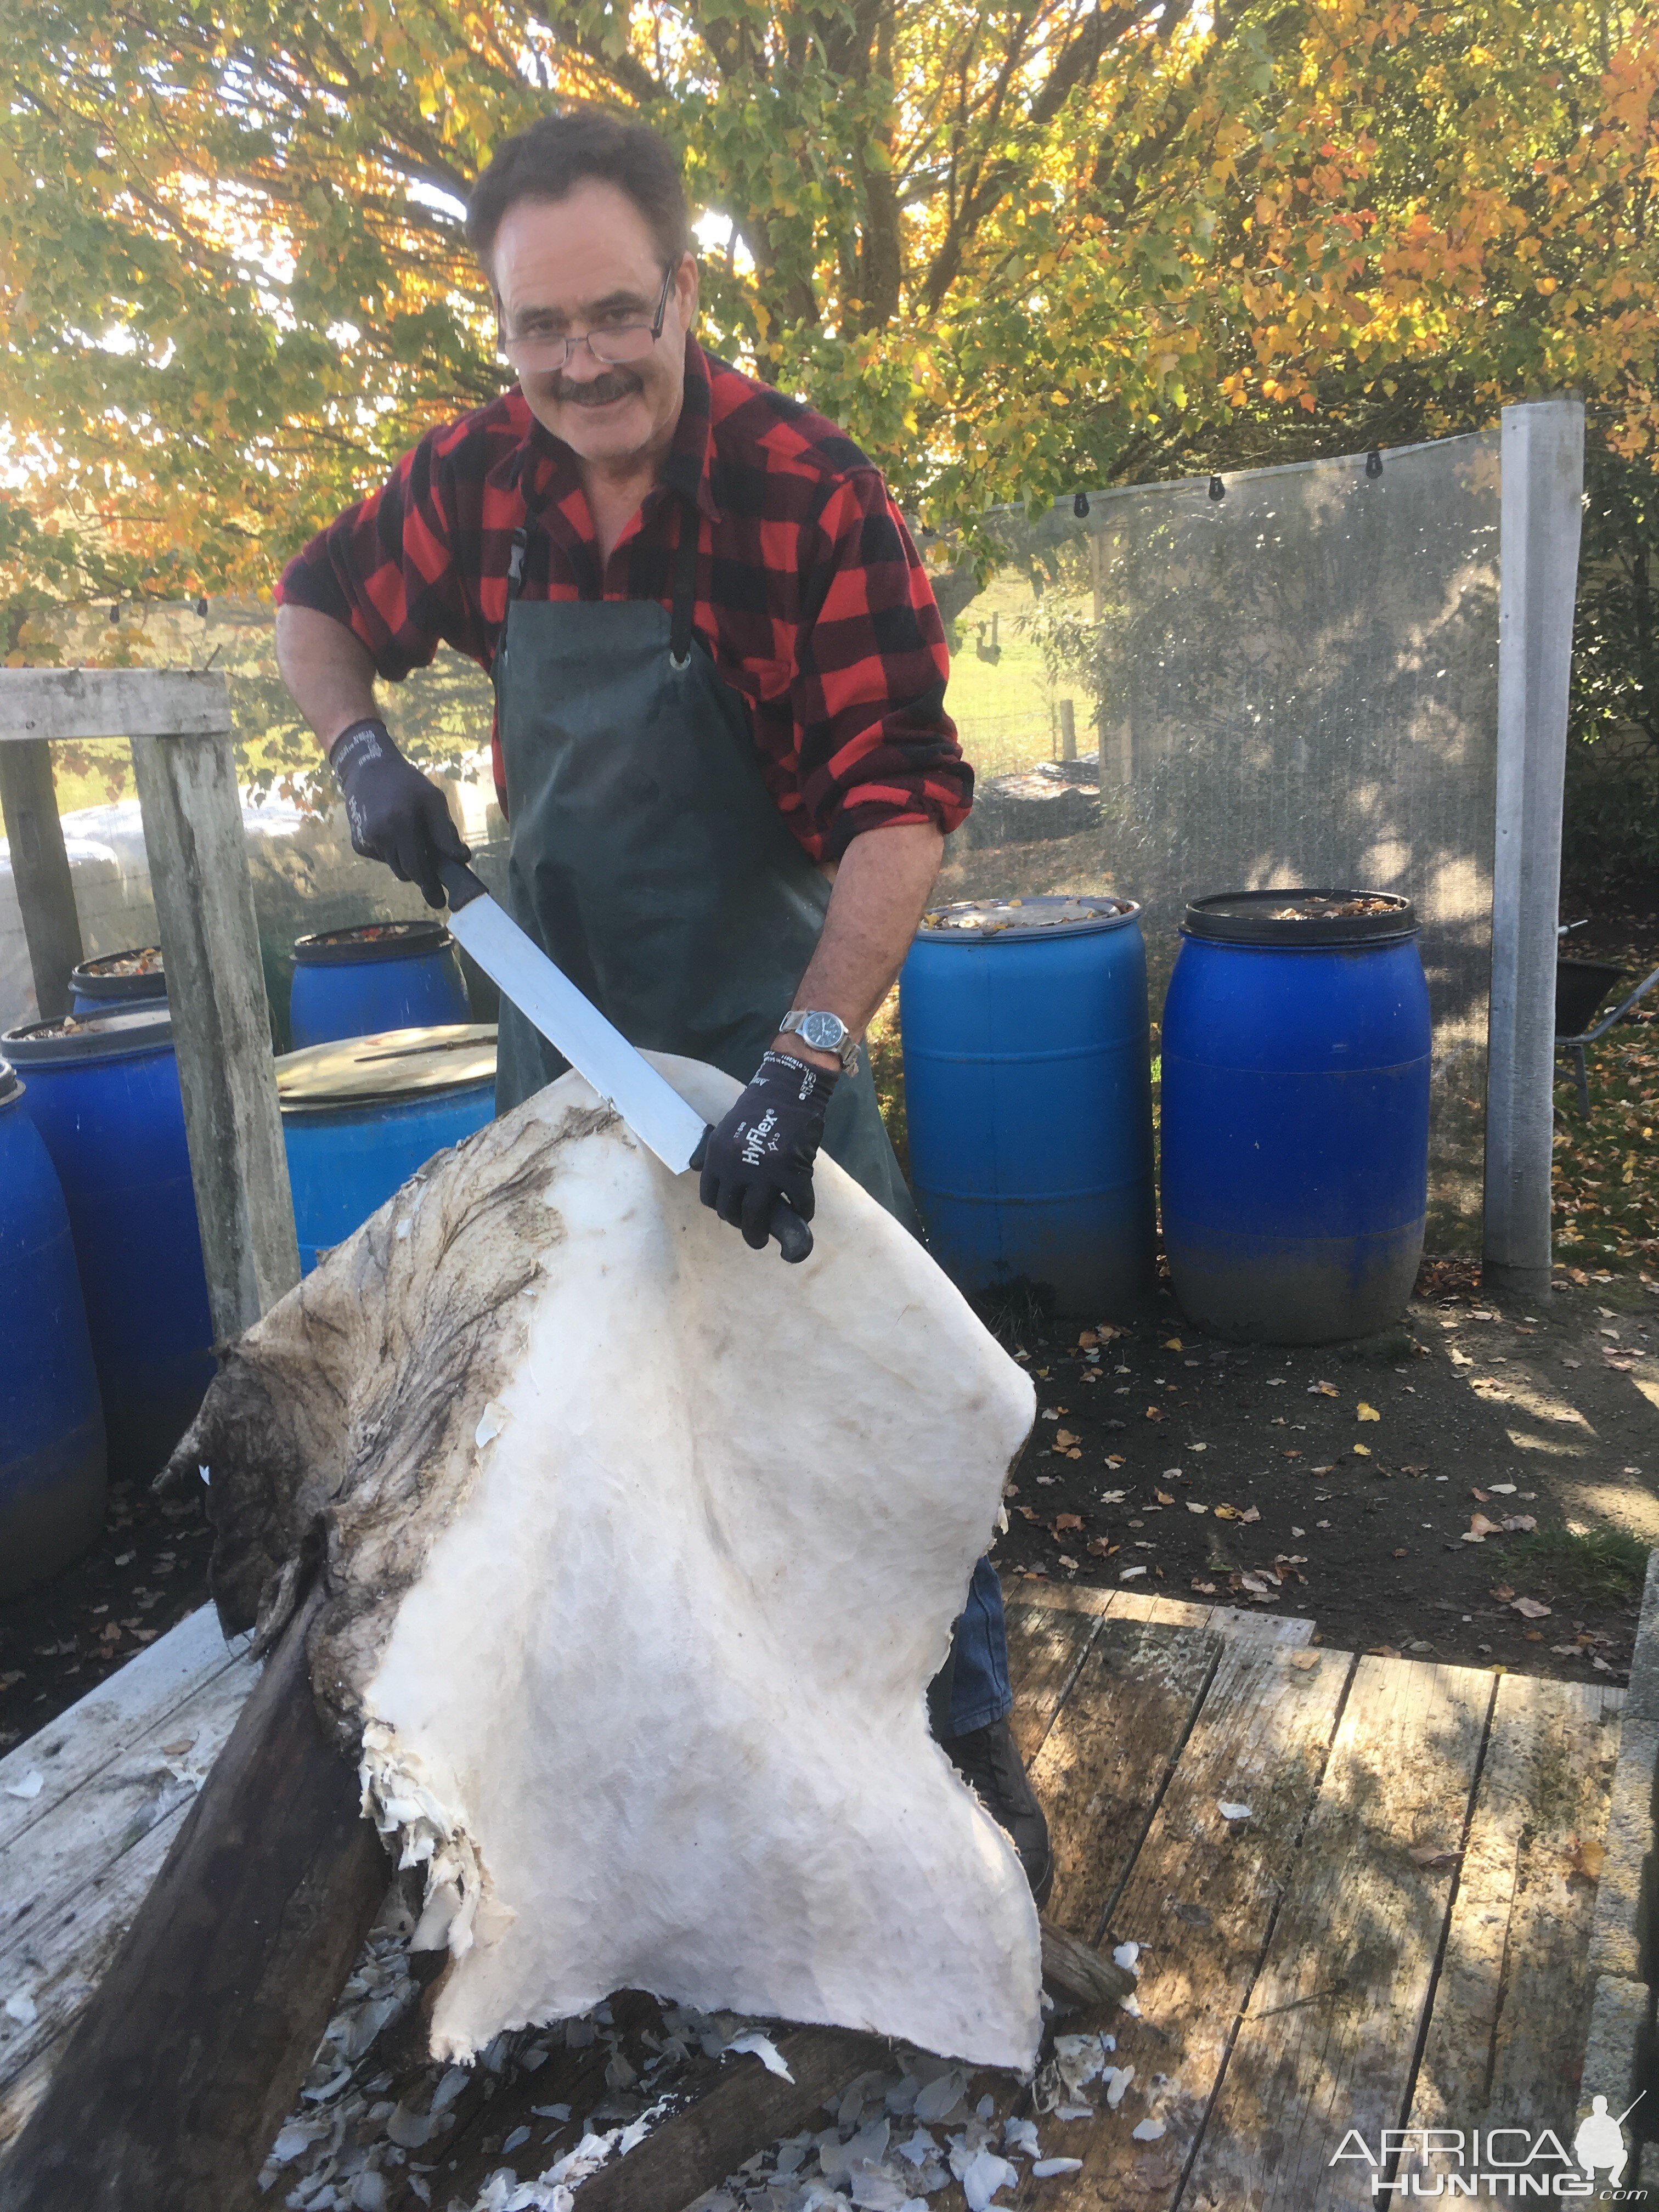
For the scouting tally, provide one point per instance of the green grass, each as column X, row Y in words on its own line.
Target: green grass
column 1607, row 1566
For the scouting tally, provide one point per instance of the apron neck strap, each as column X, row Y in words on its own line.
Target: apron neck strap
column 684, row 583
column 686, row 586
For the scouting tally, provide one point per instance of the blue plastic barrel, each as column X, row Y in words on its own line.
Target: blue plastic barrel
column 104, row 1095
column 51, row 1426
column 360, row 1117
column 377, row 976
column 117, row 981
column 1027, row 1094
column 1296, row 1114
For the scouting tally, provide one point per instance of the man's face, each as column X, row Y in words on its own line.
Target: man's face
column 589, row 263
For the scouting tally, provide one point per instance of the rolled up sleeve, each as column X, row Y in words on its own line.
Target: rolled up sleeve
column 874, row 743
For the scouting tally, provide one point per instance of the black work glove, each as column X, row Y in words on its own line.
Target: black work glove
column 396, row 814
column 764, row 1149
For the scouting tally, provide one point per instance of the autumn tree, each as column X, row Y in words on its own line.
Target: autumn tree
column 1012, row 248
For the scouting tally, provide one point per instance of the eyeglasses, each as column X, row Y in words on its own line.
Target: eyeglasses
column 612, row 345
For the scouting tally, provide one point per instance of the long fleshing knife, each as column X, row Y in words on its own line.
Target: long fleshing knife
column 595, row 1047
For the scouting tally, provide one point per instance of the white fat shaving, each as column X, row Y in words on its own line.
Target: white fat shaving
column 397, row 1799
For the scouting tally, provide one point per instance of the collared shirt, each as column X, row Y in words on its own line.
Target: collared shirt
column 811, row 596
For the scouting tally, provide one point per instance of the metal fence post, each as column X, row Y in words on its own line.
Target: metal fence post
column 1543, row 465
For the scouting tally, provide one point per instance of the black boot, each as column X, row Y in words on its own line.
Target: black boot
column 987, row 1762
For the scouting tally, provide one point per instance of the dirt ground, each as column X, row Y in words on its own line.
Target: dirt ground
column 1343, row 1484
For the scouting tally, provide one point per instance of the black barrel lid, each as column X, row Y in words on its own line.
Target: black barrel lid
column 377, row 1071
column 91, row 1036
column 106, row 978
column 970, row 922
column 9, row 1087
column 369, row 940
column 1308, row 919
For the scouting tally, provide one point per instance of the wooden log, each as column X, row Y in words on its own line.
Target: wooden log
column 40, row 871
column 744, row 2112
column 220, row 1024
column 192, row 2051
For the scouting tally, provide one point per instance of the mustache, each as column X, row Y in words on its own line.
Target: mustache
column 598, row 393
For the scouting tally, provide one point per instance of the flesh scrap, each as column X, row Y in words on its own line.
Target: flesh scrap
column 639, row 1550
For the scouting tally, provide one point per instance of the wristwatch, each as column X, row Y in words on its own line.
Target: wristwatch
column 823, row 1032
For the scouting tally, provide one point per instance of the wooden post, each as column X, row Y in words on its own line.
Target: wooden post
column 198, row 875
column 1543, row 477
column 1067, row 730
column 179, row 726
column 40, row 871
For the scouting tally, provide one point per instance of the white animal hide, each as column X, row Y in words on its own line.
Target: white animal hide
column 638, row 1637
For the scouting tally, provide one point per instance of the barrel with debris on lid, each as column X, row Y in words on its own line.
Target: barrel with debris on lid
column 103, row 1091
column 117, row 981
column 1295, row 1114
column 1028, row 1094
column 375, row 975
column 51, row 1421
column 362, row 1114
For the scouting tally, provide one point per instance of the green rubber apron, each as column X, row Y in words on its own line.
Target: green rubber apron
column 647, row 855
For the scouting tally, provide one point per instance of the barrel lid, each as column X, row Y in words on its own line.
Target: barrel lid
column 369, row 940
column 137, row 973
column 970, row 922
column 147, row 1027
column 1310, row 919
column 10, row 1087
column 392, row 1065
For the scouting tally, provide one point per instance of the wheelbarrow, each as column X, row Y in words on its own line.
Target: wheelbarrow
column 1580, row 985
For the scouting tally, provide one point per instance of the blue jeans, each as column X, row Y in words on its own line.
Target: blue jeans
column 972, row 1689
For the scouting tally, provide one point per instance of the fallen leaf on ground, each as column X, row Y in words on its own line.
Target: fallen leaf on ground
column 1173, row 1343
column 1400, row 1553
column 1363, row 1451
column 1065, row 1439
column 1193, row 1506
column 1304, row 1662
column 1068, row 1520
column 1480, row 1496
column 1323, row 1390
column 1114, row 1460
column 1163, row 1497
column 1519, row 1523
column 1154, row 1412
column 1330, row 1469
column 1529, row 1608
column 1367, row 1413
column 1422, row 1468
column 1503, row 1490
column 1113, row 1497
column 1587, row 1858
column 1502, row 1592
column 1479, row 1528
column 1249, row 1513
column 1432, row 1855
column 1102, row 1546
column 1383, row 1650
column 1228, row 1513
column 1205, row 1589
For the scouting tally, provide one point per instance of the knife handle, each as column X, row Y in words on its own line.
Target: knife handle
column 461, row 886
column 794, row 1237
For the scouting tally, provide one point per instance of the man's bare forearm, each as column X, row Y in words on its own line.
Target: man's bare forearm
column 881, row 888
column 327, row 669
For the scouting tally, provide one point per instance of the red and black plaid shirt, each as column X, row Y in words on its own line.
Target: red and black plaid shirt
column 811, row 596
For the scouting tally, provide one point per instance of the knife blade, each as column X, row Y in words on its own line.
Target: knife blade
column 595, row 1047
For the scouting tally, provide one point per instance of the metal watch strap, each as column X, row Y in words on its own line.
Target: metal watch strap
column 846, row 1052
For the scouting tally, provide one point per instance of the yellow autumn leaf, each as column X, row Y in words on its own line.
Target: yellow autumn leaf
column 1172, row 1344
column 1368, row 1412
column 1362, row 1450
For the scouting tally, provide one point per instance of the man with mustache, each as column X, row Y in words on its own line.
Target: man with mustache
column 721, row 743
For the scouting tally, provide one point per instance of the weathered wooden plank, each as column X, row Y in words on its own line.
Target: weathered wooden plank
column 1329, row 2040
column 192, row 2049
column 1045, row 1649
column 136, row 1699
column 40, row 873
column 113, row 703
column 1108, row 1755
column 47, row 1869
column 220, row 1024
column 1131, row 1604
column 1200, row 1899
column 1512, row 2006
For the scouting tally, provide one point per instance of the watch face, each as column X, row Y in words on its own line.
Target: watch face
column 823, row 1032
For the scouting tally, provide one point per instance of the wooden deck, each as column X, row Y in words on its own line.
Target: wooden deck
column 1408, row 1930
